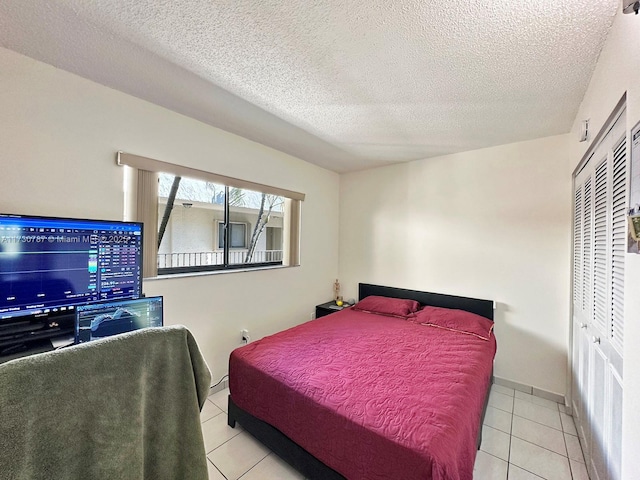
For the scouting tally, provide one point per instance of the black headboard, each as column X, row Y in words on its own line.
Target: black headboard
column 474, row 305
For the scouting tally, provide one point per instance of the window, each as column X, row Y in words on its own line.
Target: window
column 202, row 221
column 238, row 235
column 200, row 218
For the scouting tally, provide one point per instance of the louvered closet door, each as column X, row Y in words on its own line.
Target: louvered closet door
column 618, row 243
column 599, row 246
column 599, row 350
column 582, row 285
column 619, row 188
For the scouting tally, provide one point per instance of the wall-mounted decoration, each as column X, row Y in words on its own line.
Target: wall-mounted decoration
column 634, row 192
column 584, row 131
column 630, row 6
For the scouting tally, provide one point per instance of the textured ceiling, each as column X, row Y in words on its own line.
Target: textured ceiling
column 345, row 84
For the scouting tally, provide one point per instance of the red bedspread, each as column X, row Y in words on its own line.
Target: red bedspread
column 371, row 396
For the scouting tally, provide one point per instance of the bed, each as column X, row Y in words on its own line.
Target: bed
column 369, row 394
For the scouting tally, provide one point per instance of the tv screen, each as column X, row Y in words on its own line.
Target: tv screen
column 104, row 319
column 50, row 265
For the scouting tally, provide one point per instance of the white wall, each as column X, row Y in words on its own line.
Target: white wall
column 618, row 70
column 59, row 134
column 492, row 223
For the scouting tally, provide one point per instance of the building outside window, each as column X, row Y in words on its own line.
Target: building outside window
column 237, row 236
column 197, row 219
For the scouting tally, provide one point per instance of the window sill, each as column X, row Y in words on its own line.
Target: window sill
column 218, row 272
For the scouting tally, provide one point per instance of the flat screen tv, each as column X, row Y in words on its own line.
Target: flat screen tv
column 48, row 266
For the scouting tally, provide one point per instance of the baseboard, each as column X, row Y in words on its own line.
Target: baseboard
column 538, row 392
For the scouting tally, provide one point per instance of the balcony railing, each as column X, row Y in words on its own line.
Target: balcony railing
column 199, row 259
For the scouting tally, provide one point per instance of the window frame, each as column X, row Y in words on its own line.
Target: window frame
column 141, row 204
column 226, row 264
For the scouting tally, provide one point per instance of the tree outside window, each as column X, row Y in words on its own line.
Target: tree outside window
column 198, row 219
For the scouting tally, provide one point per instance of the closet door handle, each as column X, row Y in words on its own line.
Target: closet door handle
column 583, row 325
column 596, row 340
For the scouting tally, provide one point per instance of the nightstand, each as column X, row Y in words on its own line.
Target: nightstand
column 327, row 308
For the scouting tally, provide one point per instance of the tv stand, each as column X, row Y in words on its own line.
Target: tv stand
column 25, row 349
column 31, row 347
column 18, row 347
column 34, row 333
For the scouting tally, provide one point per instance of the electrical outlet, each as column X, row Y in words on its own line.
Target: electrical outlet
column 313, row 315
column 245, row 335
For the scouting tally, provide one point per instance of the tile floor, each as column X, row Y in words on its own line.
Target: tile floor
column 524, row 438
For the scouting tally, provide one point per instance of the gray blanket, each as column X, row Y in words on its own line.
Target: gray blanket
column 126, row 407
